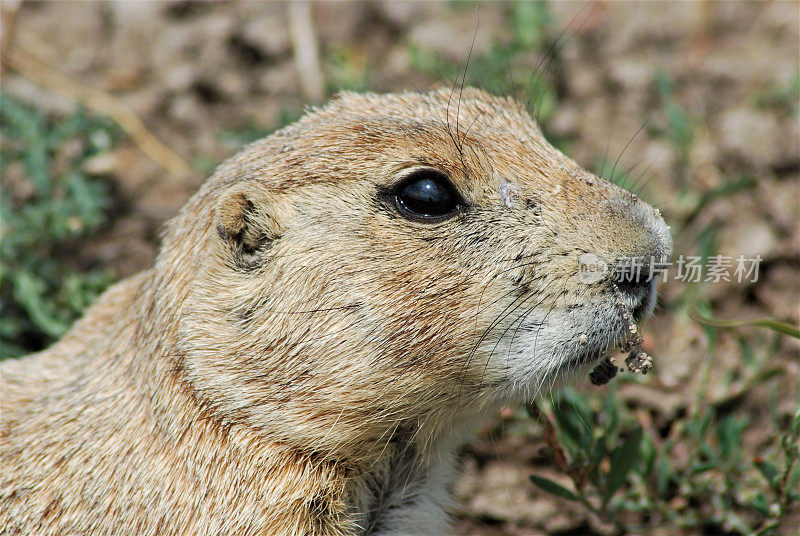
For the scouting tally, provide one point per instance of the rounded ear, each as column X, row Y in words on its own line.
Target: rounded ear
column 246, row 223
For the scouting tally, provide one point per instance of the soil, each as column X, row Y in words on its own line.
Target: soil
column 205, row 77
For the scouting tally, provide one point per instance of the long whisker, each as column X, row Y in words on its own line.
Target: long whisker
column 628, row 145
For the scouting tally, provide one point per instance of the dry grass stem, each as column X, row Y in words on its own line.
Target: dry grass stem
column 99, row 102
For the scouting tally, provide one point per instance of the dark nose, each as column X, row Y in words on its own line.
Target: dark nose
column 633, row 275
column 636, row 279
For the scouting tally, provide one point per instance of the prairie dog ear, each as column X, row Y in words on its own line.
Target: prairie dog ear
column 246, row 221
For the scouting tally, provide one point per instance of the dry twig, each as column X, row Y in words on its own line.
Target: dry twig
column 8, row 10
column 306, row 56
column 100, row 102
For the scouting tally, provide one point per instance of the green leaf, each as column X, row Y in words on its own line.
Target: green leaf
column 649, row 455
column 623, row 459
column 87, row 199
column 771, row 323
column 530, row 21
column 725, row 189
column 794, row 429
column 554, row 488
column 768, row 470
column 729, row 436
column 794, row 477
column 767, row 531
column 665, row 474
column 666, row 87
column 29, row 292
column 702, row 467
column 732, row 520
column 9, row 349
column 761, row 504
column 598, row 451
column 573, row 413
column 28, row 124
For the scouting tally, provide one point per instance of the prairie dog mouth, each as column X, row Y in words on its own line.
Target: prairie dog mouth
column 637, row 361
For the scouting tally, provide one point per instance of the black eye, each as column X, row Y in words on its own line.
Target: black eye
column 427, row 194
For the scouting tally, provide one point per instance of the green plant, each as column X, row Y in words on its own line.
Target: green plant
column 675, row 124
column 506, row 69
column 48, row 204
column 639, row 471
column 348, row 69
column 781, row 97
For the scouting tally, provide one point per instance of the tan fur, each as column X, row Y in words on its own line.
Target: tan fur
column 297, row 345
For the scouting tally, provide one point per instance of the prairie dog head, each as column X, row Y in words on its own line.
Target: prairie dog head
column 392, row 261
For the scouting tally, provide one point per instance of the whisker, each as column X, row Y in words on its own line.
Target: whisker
column 628, row 145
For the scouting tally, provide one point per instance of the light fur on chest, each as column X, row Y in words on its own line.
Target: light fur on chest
column 405, row 494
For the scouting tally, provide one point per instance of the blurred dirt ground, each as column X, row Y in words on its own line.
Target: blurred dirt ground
column 207, row 77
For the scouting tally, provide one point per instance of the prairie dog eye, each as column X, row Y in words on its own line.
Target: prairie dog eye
column 427, row 195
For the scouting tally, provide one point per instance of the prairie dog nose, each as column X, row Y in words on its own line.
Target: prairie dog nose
column 641, row 260
column 644, row 235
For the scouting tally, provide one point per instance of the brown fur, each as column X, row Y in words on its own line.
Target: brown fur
column 297, row 341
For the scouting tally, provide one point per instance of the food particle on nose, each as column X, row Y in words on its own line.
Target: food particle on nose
column 639, row 361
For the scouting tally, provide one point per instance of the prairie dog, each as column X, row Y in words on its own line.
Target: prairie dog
column 330, row 316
